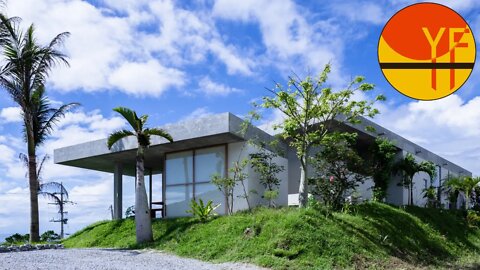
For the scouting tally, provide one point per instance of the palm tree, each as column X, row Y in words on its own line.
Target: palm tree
column 143, row 221
column 409, row 167
column 23, row 76
column 465, row 184
column 50, row 190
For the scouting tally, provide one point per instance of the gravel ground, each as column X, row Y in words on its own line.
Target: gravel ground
column 108, row 259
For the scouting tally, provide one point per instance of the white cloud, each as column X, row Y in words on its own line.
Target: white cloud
column 11, row 115
column 150, row 78
column 291, row 41
column 361, row 12
column 197, row 113
column 211, row 88
column 109, row 48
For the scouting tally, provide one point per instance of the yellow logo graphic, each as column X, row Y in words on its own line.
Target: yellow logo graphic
column 426, row 51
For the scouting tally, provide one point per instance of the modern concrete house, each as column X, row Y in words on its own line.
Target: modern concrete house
column 209, row 145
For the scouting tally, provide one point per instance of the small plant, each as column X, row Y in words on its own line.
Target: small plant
column 473, row 219
column 202, row 211
column 430, row 194
column 264, row 164
column 130, row 212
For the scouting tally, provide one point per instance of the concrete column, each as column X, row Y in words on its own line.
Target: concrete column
column 117, row 191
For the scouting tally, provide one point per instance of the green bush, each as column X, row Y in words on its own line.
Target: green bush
column 202, row 211
column 49, row 236
column 17, row 238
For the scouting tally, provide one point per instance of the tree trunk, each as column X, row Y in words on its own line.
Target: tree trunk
column 143, row 222
column 411, row 193
column 303, row 187
column 467, row 200
column 33, row 186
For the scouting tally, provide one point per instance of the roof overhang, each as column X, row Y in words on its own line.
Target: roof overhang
column 202, row 132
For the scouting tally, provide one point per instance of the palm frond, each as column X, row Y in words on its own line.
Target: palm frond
column 46, row 127
column 40, row 166
column 50, row 196
column 118, row 135
column 130, row 116
column 24, row 159
column 159, row 132
column 53, row 188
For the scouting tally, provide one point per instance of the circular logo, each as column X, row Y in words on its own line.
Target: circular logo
column 426, row 51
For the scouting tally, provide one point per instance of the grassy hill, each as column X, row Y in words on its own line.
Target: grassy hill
column 374, row 236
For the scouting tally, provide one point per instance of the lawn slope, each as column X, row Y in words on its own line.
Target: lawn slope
column 374, row 236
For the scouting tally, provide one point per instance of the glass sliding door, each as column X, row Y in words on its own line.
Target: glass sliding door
column 208, row 162
column 188, row 175
column 178, row 182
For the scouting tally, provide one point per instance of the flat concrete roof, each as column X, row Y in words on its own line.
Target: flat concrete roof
column 209, row 131
column 201, row 132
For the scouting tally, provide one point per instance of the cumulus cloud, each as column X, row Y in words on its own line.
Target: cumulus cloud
column 290, row 39
column 211, row 88
column 11, row 115
column 110, row 49
column 146, row 79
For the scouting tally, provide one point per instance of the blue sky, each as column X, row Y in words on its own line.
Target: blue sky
column 175, row 60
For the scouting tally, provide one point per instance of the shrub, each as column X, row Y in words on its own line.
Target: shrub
column 17, row 238
column 202, row 211
column 49, row 236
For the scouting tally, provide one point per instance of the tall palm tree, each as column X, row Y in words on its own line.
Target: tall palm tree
column 50, row 190
column 465, row 184
column 409, row 167
column 23, row 76
column 143, row 223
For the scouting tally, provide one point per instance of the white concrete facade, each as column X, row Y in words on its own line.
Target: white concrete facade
column 223, row 130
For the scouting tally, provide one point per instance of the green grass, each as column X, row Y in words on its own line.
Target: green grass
column 376, row 236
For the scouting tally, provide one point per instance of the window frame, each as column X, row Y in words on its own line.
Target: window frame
column 194, row 182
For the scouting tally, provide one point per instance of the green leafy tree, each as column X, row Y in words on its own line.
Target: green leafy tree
column 310, row 108
column 263, row 163
column 339, row 170
column 465, row 184
column 408, row 167
column 143, row 223
column 24, row 74
column 380, row 163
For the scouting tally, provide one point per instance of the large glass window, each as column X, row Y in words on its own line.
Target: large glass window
column 188, row 175
column 208, row 162
column 179, row 168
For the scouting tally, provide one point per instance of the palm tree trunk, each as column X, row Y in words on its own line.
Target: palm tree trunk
column 303, row 187
column 143, row 222
column 411, row 193
column 33, row 185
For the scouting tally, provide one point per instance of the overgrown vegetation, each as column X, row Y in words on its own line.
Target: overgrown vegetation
column 338, row 169
column 374, row 236
column 380, row 160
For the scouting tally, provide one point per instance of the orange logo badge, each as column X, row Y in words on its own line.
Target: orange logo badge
column 426, row 51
